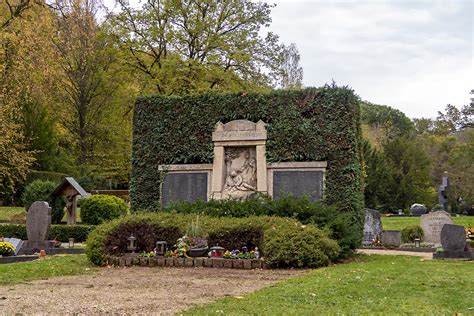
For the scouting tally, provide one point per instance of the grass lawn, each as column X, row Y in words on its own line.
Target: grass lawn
column 7, row 211
column 398, row 223
column 51, row 266
column 369, row 285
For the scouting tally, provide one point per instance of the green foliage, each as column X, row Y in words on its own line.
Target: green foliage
column 97, row 209
column 299, row 247
column 55, row 177
column 197, row 45
column 307, row 125
column 111, row 237
column 410, row 233
column 300, row 208
column 39, row 190
column 6, row 249
column 409, row 166
column 58, row 232
column 235, row 236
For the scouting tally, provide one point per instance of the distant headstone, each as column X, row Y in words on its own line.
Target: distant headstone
column 188, row 187
column 418, row 209
column 298, row 183
column 372, row 227
column 443, row 191
column 453, row 237
column 38, row 221
column 391, row 238
column 432, row 223
column 17, row 243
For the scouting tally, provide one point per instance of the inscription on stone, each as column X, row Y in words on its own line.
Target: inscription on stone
column 298, row 183
column 432, row 224
column 372, row 227
column 187, row 187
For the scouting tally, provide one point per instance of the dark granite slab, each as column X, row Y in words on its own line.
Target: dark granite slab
column 298, row 183
column 184, row 186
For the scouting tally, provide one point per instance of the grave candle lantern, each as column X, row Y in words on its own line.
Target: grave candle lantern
column 132, row 243
column 417, row 242
column 71, row 242
column 217, row 252
column 160, row 248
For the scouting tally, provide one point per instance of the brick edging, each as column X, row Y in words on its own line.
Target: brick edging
column 127, row 261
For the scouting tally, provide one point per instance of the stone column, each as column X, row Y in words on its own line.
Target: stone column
column 218, row 167
column 261, row 169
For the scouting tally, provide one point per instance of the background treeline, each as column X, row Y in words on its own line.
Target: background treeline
column 405, row 160
column 70, row 71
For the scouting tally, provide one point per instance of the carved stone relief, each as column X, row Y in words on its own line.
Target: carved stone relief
column 240, row 171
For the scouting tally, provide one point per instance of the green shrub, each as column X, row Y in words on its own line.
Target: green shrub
column 40, row 190
column 410, row 233
column 97, row 209
column 299, row 247
column 110, row 238
column 59, row 232
column 55, row 177
column 237, row 236
column 340, row 224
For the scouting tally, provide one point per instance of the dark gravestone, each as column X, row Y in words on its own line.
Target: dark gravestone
column 185, row 186
column 38, row 223
column 298, row 183
column 372, row 227
column 453, row 237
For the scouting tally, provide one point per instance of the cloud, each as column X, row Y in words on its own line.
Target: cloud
column 412, row 55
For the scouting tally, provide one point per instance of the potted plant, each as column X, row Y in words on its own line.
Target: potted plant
column 196, row 244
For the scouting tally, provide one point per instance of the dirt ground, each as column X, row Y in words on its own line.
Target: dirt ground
column 135, row 290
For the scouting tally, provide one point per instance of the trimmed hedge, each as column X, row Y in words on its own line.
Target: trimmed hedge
column 100, row 208
column 59, row 232
column 410, row 233
column 300, row 208
column 307, row 125
column 111, row 238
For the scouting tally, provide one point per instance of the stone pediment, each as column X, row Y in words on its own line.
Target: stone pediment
column 239, row 130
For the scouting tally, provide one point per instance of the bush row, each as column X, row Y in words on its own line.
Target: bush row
column 59, row 232
column 339, row 224
column 284, row 242
column 100, row 208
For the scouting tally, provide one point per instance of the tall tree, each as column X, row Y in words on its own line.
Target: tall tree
column 185, row 46
column 291, row 70
column 86, row 88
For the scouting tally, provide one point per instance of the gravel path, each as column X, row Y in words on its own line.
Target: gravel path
column 425, row 255
column 163, row 291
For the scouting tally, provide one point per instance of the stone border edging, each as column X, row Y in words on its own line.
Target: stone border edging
column 15, row 259
column 127, row 261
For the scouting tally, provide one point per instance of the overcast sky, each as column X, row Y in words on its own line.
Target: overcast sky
column 413, row 55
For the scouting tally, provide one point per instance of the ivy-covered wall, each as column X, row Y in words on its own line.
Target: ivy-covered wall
column 313, row 124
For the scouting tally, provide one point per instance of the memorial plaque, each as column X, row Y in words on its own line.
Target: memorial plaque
column 432, row 223
column 17, row 243
column 453, row 237
column 298, row 183
column 189, row 187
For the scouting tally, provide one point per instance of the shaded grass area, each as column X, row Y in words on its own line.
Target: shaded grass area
column 398, row 223
column 369, row 285
column 6, row 212
column 44, row 268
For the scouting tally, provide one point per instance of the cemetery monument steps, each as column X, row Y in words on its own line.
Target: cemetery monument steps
column 239, row 169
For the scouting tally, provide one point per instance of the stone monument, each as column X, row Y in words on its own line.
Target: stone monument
column 239, row 166
column 372, row 227
column 239, row 170
column 453, row 240
column 432, row 224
